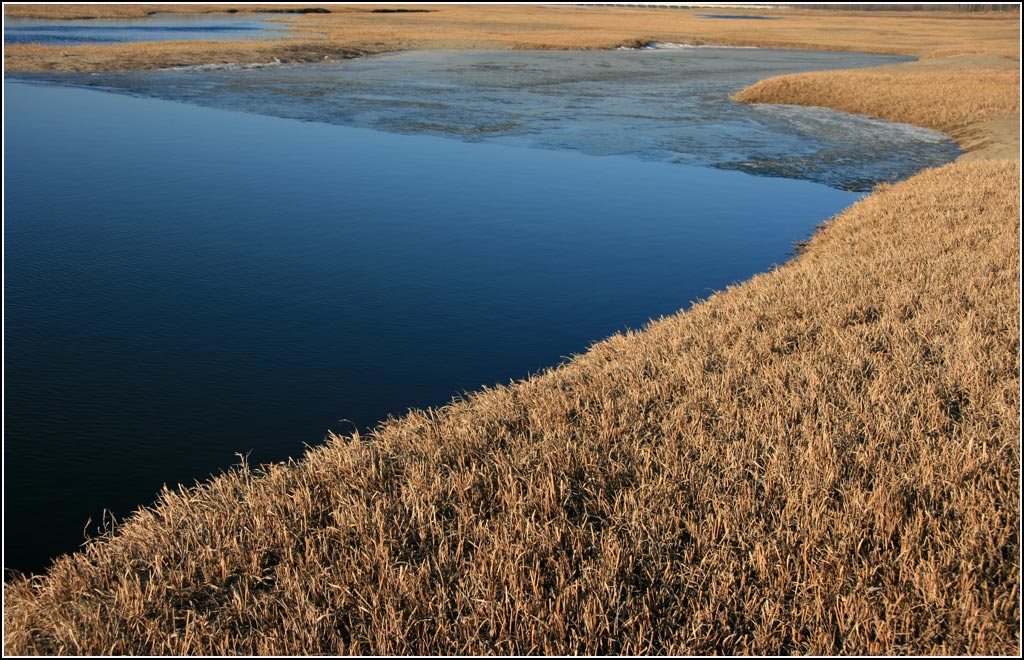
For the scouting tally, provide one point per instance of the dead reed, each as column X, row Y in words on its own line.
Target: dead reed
column 957, row 94
column 357, row 28
column 156, row 55
column 823, row 459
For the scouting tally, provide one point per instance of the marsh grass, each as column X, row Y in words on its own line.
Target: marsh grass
column 949, row 89
column 824, row 459
column 167, row 54
column 358, row 28
column 955, row 94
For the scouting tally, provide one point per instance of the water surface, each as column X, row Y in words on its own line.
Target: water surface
column 156, row 27
column 667, row 105
column 186, row 282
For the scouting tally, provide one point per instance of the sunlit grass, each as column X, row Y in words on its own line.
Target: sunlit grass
column 821, row 460
column 356, row 28
column 959, row 95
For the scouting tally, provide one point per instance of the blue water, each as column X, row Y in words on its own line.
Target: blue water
column 667, row 105
column 156, row 27
column 185, row 283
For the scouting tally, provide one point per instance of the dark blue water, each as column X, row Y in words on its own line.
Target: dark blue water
column 157, row 27
column 185, row 283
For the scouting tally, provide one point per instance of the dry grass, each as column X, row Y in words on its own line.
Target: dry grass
column 358, row 29
column 968, row 85
column 567, row 27
column 824, row 459
column 821, row 460
column 71, row 12
column 949, row 90
column 155, row 55
column 955, row 94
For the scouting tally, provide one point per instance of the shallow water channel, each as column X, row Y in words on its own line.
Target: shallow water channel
column 191, row 273
column 155, row 27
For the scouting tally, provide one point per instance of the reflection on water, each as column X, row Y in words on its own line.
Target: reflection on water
column 156, row 27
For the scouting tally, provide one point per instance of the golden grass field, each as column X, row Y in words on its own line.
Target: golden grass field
column 824, row 459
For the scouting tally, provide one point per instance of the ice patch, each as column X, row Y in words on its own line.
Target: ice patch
column 597, row 103
column 669, row 45
column 655, row 45
column 227, row 66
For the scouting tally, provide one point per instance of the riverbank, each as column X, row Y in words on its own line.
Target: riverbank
column 967, row 83
column 975, row 99
column 824, row 459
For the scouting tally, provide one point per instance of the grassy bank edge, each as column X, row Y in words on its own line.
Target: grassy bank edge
column 921, row 194
column 965, row 85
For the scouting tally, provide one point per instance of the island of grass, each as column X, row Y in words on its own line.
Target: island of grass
column 823, row 459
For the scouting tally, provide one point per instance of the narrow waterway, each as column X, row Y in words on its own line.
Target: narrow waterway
column 155, row 27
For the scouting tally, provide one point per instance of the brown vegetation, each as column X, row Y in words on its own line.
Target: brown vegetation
column 360, row 29
column 570, row 27
column 824, row 459
column 929, row 93
column 910, row 6
column 156, row 55
column 965, row 96
column 977, row 100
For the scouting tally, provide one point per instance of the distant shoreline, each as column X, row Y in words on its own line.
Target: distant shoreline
column 947, row 46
